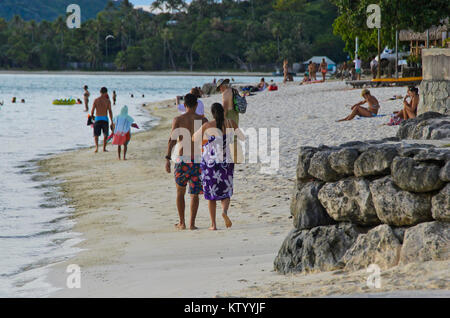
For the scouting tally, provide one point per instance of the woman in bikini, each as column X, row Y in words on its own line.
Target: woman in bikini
column 86, row 98
column 409, row 108
column 358, row 110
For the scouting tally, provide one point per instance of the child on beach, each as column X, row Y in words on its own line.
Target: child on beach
column 122, row 131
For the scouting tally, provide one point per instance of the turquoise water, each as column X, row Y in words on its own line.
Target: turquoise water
column 35, row 228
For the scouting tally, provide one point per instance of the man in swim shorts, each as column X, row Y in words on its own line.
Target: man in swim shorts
column 187, row 166
column 102, row 108
column 358, row 62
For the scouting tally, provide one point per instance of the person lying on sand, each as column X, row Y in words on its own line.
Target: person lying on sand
column 187, row 168
column 262, row 85
column 306, row 79
column 357, row 109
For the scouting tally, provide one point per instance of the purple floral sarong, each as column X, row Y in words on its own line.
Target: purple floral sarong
column 217, row 169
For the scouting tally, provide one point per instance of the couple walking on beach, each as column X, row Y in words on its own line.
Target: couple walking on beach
column 120, row 125
column 210, row 171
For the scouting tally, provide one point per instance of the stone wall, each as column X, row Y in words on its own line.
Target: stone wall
column 384, row 202
column 435, row 87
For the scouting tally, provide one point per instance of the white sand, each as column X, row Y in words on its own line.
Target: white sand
column 127, row 216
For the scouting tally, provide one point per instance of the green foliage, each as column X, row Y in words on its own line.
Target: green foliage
column 203, row 35
column 49, row 10
column 417, row 15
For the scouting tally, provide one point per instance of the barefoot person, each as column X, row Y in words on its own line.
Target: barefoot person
column 409, row 107
column 358, row 63
column 323, row 69
column 357, row 109
column 122, row 131
column 187, row 167
column 230, row 112
column 102, row 108
column 86, row 98
column 217, row 164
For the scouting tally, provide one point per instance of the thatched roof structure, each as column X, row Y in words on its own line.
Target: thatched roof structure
column 435, row 33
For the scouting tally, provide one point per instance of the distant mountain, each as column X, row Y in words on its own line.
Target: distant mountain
column 48, row 9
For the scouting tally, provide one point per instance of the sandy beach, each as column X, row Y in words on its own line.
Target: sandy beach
column 125, row 210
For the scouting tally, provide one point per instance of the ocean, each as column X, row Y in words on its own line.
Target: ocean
column 35, row 225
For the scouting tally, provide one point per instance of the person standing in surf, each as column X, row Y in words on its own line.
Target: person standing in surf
column 86, row 98
column 102, row 108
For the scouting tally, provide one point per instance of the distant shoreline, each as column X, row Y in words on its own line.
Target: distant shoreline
column 165, row 73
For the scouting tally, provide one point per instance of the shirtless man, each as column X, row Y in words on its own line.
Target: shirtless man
column 312, row 71
column 230, row 112
column 102, row 107
column 357, row 109
column 86, row 98
column 285, row 71
column 187, row 169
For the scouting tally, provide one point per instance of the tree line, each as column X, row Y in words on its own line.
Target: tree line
column 202, row 35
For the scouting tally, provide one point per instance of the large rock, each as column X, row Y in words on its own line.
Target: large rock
column 430, row 125
column 397, row 207
column 317, row 249
column 444, row 174
column 304, row 159
column 375, row 161
column 349, row 200
column 432, row 154
column 415, row 176
column 306, row 208
column 209, row 89
column 426, row 242
column 379, row 246
column 440, row 205
column 320, row 167
column 342, row 161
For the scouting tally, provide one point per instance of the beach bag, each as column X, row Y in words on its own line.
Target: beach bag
column 240, row 103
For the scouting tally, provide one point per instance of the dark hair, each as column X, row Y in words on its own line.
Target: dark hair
column 219, row 114
column 103, row 90
column 190, row 100
column 196, row 91
column 413, row 89
column 85, row 87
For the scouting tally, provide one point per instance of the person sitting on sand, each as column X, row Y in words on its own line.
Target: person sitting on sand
column 323, row 69
column 79, row 101
column 409, row 108
column 187, row 168
column 22, row 101
column 122, row 131
column 217, row 164
column 262, row 85
column 272, row 86
column 306, row 79
column 357, row 109
column 86, row 98
column 102, row 107
column 13, row 100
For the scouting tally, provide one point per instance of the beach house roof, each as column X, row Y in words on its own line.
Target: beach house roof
column 318, row 60
column 435, row 33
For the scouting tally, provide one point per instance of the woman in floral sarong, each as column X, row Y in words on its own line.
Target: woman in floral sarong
column 217, row 163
